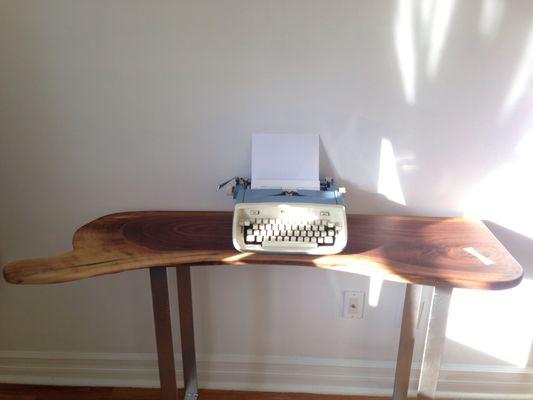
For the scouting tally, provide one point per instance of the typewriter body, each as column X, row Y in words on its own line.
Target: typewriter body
column 288, row 221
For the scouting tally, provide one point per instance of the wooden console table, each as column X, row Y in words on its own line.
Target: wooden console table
column 440, row 252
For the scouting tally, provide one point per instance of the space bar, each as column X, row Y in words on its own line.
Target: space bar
column 289, row 245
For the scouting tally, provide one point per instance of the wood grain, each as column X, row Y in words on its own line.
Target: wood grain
column 421, row 250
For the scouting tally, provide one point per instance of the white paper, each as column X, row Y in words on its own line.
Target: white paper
column 285, row 161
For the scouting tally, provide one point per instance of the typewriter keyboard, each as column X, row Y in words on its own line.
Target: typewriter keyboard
column 271, row 232
column 302, row 228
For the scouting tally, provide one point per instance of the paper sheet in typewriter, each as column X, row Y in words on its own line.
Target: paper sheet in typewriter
column 285, row 161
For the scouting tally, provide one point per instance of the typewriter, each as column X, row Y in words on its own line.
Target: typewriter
column 288, row 221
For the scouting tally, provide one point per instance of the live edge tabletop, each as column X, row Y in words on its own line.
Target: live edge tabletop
column 442, row 252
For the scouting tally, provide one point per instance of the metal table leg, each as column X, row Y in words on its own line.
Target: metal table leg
column 163, row 333
column 435, row 338
column 190, row 379
column 407, row 340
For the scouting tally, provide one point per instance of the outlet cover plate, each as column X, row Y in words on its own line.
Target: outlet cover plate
column 353, row 304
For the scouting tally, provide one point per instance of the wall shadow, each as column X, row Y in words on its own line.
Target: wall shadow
column 357, row 199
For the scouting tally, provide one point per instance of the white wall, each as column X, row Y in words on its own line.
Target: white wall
column 135, row 105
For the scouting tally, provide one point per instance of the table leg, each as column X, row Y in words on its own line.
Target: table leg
column 190, row 378
column 163, row 333
column 407, row 340
column 434, row 346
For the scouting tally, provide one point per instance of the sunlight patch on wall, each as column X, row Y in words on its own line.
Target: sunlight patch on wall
column 506, row 195
column 404, row 41
column 374, row 290
column 432, row 20
column 427, row 9
column 522, row 76
column 440, row 24
column 388, row 180
column 497, row 323
column 491, row 17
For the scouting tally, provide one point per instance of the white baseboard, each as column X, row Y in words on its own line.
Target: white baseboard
column 285, row 374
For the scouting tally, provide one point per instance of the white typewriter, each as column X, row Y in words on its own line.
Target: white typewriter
column 280, row 221
column 285, row 207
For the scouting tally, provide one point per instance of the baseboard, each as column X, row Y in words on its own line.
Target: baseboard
column 282, row 374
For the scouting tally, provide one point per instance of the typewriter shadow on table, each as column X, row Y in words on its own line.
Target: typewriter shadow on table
column 360, row 201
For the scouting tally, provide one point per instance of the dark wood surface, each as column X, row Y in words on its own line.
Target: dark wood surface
column 421, row 250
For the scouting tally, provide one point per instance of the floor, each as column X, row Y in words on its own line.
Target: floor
column 30, row 392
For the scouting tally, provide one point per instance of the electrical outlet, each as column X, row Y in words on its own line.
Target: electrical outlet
column 353, row 305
